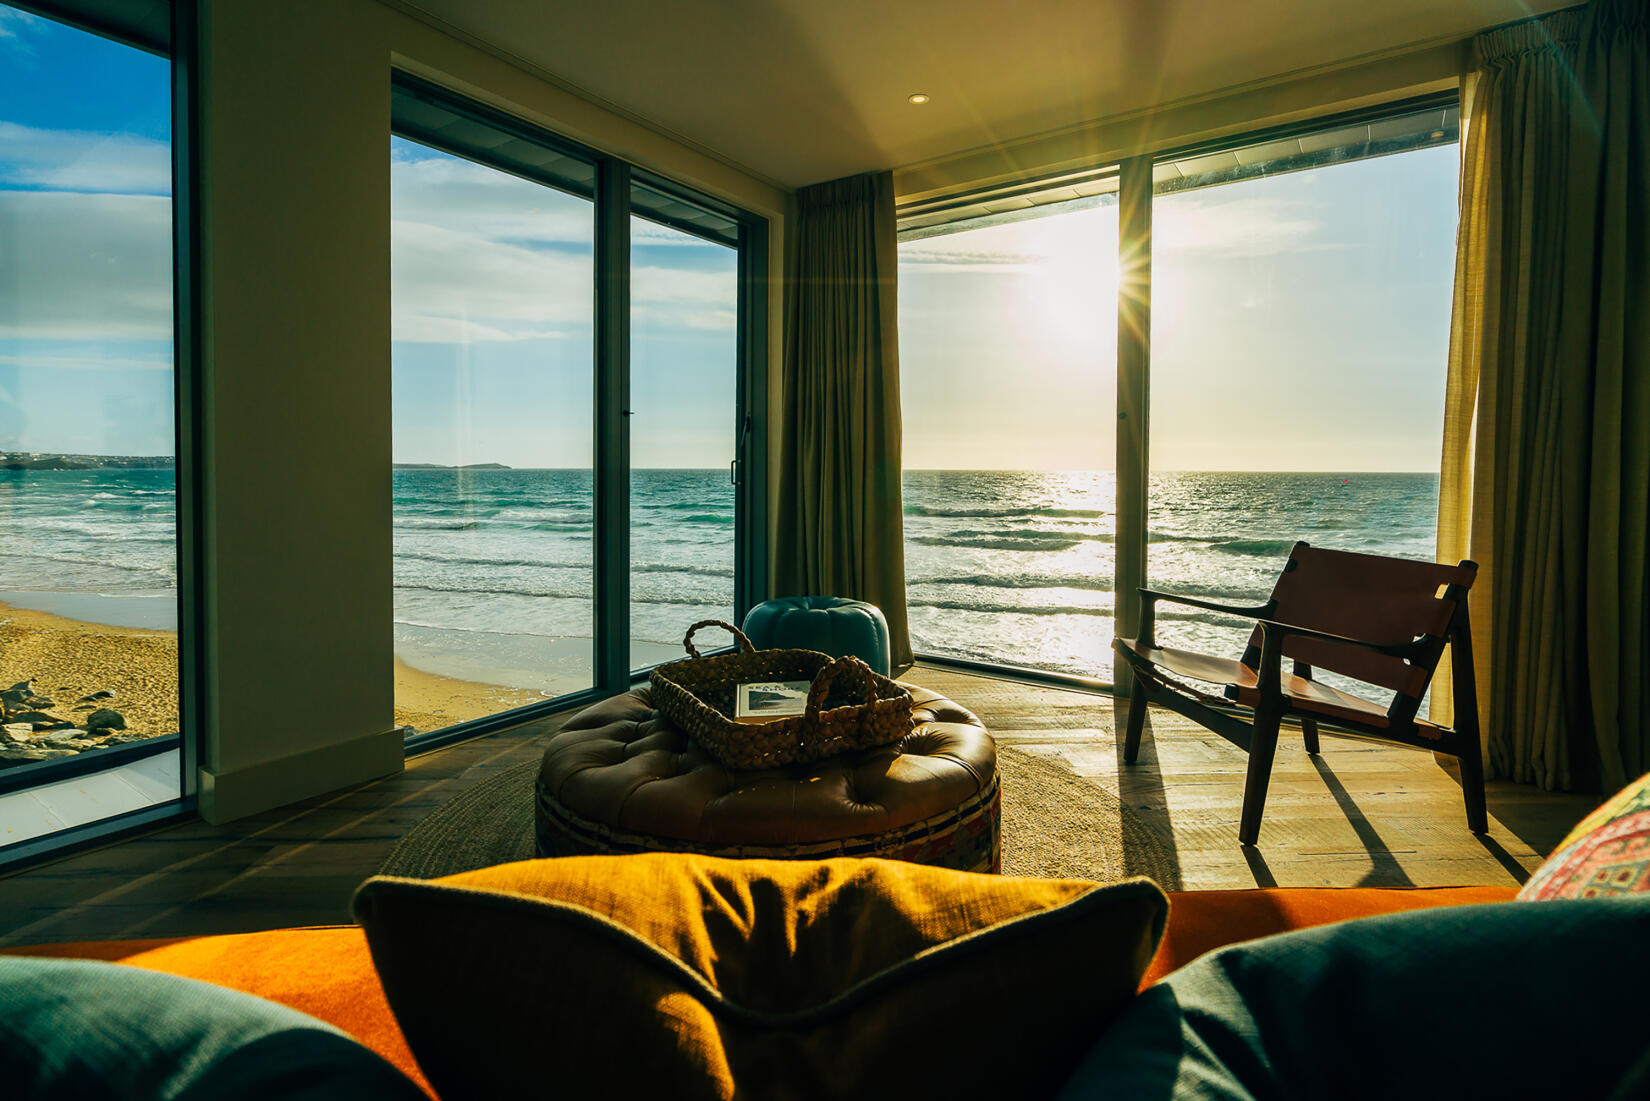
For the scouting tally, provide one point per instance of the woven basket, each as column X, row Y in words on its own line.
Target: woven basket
column 849, row 706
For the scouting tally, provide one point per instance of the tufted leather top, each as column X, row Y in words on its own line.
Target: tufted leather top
column 622, row 764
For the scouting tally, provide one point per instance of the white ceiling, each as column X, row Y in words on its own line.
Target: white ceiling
column 806, row 90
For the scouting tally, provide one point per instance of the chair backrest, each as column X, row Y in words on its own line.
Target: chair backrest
column 1368, row 597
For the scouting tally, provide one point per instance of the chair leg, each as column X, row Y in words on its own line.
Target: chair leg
column 1137, row 721
column 1263, row 746
column 1309, row 728
column 1472, row 788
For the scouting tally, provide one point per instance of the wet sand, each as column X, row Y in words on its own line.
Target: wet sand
column 68, row 659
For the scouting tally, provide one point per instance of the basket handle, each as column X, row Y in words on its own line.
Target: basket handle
column 738, row 635
column 822, row 683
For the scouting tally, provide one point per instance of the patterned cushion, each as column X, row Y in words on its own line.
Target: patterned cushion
column 1607, row 854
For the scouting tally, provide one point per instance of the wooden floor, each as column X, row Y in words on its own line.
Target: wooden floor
column 1359, row 814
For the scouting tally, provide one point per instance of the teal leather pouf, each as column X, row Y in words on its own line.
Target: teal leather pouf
column 833, row 625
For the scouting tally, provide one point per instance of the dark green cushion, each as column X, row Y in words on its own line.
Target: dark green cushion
column 1505, row 1000
column 832, row 625
column 81, row 1031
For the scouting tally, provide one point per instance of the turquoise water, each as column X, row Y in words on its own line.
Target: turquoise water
column 493, row 568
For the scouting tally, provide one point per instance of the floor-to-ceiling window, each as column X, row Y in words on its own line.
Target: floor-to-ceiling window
column 1008, row 351
column 493, row 438
column 1300, row 335
column 1300, row 287
column 545, row 309
column 89, row 669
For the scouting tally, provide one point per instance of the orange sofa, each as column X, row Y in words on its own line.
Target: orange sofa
column 327, row 971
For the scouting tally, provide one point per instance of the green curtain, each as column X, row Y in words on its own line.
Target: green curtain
column 840, row 525
column 1605, row 332
column 1545, row 467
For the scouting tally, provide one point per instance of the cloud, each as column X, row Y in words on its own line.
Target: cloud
column 1245, row 226
column 88, row 362
column 480, row 255
column 454, row 287
column 81, row 160
column 964, row 259
column 13, row 21
column 467, row 198
column 85, row 267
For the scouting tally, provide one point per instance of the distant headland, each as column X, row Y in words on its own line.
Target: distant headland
column 36, row 460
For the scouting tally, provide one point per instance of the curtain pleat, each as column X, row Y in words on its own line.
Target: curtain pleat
column 840, row 524
column 1607, row 327
column 1543, row 441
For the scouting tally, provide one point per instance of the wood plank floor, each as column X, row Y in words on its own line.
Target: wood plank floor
column 1359, row 814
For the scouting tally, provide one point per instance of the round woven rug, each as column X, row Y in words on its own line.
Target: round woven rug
column 1055, row 823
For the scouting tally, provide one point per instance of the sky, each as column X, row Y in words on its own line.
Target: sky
column 1299, row 322
column 491, row 295
column 85, row 243
column 492, row 301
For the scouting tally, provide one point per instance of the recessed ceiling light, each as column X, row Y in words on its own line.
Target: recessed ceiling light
column 917, row 97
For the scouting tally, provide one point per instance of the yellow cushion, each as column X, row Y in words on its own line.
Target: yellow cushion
column 690, row 976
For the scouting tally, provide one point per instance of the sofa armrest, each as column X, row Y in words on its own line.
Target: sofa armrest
column 1203, row 921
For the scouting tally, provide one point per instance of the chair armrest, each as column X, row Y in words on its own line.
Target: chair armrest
column 1413, row 648
column 1256, row 612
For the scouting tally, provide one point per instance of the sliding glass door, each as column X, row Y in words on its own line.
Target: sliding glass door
column 549, row 303
column 493, row 436
column 684, row 374
column 1300, row 334
column 89, row 670
column 1008, row 354
column 1299, row 301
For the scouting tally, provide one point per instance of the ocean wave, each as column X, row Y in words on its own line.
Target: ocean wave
column 413, row 524
column 1012, row 541
column 111, row 530
column 543, row 515
column 540, row 592
column 1260, row 547
column 468, row 560
column 696, row 571
column 164, row 569
column 1005, row 513
column 1019, row 581
column 485, row 589
column 1002, row 608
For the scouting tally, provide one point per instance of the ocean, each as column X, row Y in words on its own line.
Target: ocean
column 493, row 567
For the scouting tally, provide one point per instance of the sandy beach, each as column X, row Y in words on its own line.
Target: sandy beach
column 425, row 701
column 68, row 659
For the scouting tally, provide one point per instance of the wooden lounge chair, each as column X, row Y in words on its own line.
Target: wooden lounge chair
column 1381, row 621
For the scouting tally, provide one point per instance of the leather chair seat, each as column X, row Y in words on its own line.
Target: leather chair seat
column 619, row 777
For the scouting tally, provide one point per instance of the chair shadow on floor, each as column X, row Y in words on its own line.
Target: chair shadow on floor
column 1142, row 787
column 1385, row 868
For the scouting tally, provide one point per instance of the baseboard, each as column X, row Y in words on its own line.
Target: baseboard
column 226, row 796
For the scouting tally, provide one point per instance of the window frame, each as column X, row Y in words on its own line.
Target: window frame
column 140, row 28
column 1137, row 189
column 610, row 192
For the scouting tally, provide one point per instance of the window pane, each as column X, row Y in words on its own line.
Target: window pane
column 1008, row 376
column 1300, row 335
column 683, row 394
column 493, row 422
column 88, row 531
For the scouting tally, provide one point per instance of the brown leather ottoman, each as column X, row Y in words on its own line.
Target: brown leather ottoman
column 621, row 778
